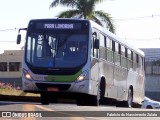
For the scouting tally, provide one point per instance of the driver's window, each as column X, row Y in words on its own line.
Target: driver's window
column 39, row 46
column 52, row 45
column 95, row 52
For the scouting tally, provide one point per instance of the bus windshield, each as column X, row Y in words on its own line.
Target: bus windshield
column 56, row 50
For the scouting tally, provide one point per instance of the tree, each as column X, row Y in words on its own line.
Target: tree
column 85, row 9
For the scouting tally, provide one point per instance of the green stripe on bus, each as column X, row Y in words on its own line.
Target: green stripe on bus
column 63, row 78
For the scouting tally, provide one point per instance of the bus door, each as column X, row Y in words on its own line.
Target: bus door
column 94, row 64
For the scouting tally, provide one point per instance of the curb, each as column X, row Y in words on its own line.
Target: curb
column 19, row 98
column 30, row 99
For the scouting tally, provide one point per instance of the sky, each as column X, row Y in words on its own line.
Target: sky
column 136, row 21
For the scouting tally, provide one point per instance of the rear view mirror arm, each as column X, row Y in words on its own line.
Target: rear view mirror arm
column 19, row 35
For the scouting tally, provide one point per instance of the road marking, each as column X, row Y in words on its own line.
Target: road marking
column 71, row 118
column 43, row 108
column 28, row 107
column 96, row 118
column 48, row 109
column 77, row 118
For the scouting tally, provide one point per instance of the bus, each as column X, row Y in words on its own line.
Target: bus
column 80, row 59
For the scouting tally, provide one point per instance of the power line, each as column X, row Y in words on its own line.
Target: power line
column 137, row 18
column 10, row 41
column 11, row 29
column 7, row 41
column 123, row 19
column 141, row 39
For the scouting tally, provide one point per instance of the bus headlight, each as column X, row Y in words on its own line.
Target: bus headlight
column 27, row 75
column 82, row 76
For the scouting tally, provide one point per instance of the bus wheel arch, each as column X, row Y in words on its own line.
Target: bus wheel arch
column 149, row 107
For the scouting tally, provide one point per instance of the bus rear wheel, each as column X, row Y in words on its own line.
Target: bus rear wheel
column 93, row 100
column 130, row 98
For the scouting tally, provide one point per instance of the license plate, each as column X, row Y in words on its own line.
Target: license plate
column 52, row 89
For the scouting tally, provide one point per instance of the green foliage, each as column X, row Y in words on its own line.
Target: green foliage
column 85, row 9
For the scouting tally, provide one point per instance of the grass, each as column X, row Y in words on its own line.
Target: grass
column 8, row 89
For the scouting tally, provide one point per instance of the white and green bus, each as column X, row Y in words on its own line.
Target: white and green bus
column 80, row 59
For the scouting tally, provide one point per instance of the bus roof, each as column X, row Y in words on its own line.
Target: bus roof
column 105, row 31
column 115, row 38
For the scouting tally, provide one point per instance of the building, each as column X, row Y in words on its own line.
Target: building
column 10, row 67
column 152, row 71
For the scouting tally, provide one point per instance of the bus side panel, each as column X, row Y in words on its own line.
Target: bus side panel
column 120, row 80
column 107, row 71
column 94, row 76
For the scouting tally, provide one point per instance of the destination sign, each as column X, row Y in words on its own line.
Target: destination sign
column 59, row 26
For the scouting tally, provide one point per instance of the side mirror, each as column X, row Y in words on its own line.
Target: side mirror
column 18, row 38
column 96, row 44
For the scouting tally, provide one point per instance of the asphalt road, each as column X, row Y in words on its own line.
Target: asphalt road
column 65, row 111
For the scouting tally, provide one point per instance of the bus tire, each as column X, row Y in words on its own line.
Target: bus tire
column 129, row 102
column 96, row 100
column 130, row 98
column 93, row 100
column 102, row 90
column 149, row 107
column 44, row 99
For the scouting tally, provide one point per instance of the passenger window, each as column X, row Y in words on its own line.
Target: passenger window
column 123, row 56
column 109, row 43
column 102, row 40
column 113, row 46
column 123, row 51
column 134, row 61
column 137, row 58
column 142, row 63
column 116, row 47
column 116, row 54
column 119, row 48
column 129, row 59
column 102, row 50
column 109, row 50
column 126, row 52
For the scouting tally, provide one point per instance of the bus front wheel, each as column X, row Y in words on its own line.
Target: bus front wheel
column 96, row 100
